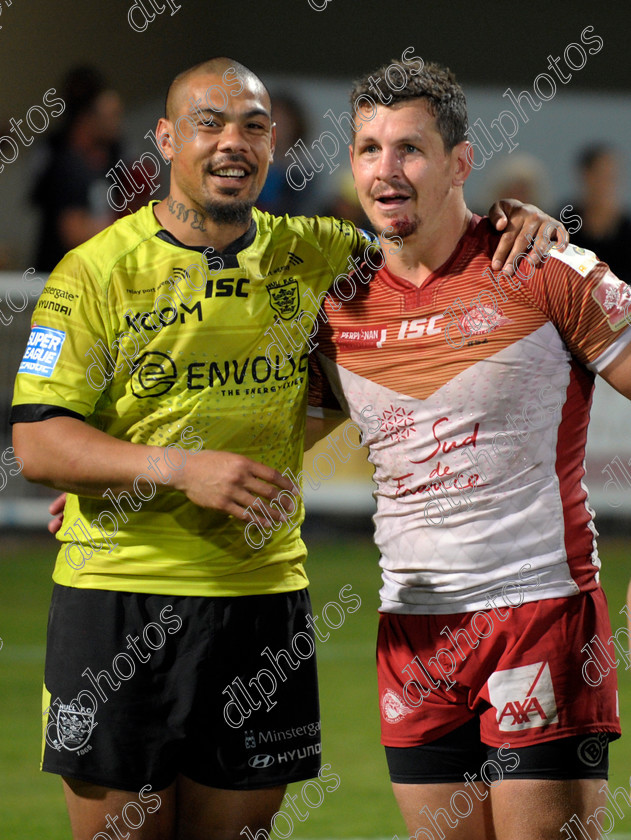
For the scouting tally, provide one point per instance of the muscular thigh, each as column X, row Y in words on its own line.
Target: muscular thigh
column 457, row 788
column 438, row 786
column 516, row 809
column 98, row 812
column 537, row 809
column 183, row 811
column 449, row 811
column 206, row 813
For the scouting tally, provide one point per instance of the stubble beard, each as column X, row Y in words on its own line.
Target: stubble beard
column 236, row 212
column 404, row 227
column 228, row 213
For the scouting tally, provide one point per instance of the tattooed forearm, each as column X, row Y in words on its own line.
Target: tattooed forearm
column 182, row 214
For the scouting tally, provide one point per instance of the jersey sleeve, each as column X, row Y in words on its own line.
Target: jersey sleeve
column 322, row 401
column 66, row 364
column 588, row 304
column 338, row 240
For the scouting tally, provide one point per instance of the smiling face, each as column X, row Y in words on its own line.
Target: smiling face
column 222, row 169
column 404, row 176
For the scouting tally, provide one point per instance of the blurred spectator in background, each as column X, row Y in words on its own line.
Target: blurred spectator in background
column 277, row 196
column 71, row 189
column 520, row 176
column 344, row 204
column 606, row 228
column 7, row 247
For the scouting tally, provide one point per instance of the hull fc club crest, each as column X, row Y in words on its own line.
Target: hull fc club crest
column 284, row 297
column 73, row 724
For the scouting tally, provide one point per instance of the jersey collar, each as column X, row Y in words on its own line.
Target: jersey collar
column 228, row 255
column 400, row 284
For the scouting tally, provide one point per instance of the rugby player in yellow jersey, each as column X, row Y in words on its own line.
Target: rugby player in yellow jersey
column 148, row 393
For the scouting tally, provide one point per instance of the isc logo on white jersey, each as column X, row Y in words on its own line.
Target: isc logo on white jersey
column 417, row 327
column 523, row 697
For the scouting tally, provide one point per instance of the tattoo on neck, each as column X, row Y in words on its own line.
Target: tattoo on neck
column 182, row 214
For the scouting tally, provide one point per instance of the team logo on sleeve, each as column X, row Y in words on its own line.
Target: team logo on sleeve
column 42, row 351
column 614, row 299
column 523, row 697
column 284, row 297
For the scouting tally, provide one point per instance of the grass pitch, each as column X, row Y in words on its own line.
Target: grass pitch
column 31, row 803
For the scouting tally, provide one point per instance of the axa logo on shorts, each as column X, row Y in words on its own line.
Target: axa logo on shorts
column 523, row 697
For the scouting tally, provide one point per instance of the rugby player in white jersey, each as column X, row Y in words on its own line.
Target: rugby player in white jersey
column 494, row 721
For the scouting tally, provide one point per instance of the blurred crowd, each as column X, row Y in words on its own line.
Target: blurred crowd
column 598, row 206
column 67, row 180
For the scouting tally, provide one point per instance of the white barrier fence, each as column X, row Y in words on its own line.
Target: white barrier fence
column 608, row 459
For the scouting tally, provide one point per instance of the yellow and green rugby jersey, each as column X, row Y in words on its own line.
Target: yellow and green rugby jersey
column 158, row 343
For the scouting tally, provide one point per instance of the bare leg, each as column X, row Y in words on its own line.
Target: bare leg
column 98, row 812
column 206, row 813
column 461, row 812
column 536, row 809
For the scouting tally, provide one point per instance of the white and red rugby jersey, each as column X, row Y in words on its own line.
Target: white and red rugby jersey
column 483, row 393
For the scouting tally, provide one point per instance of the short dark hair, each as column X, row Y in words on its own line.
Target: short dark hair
column 434, row 83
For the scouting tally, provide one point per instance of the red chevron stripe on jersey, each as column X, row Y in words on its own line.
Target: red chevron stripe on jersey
column 483, row 387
